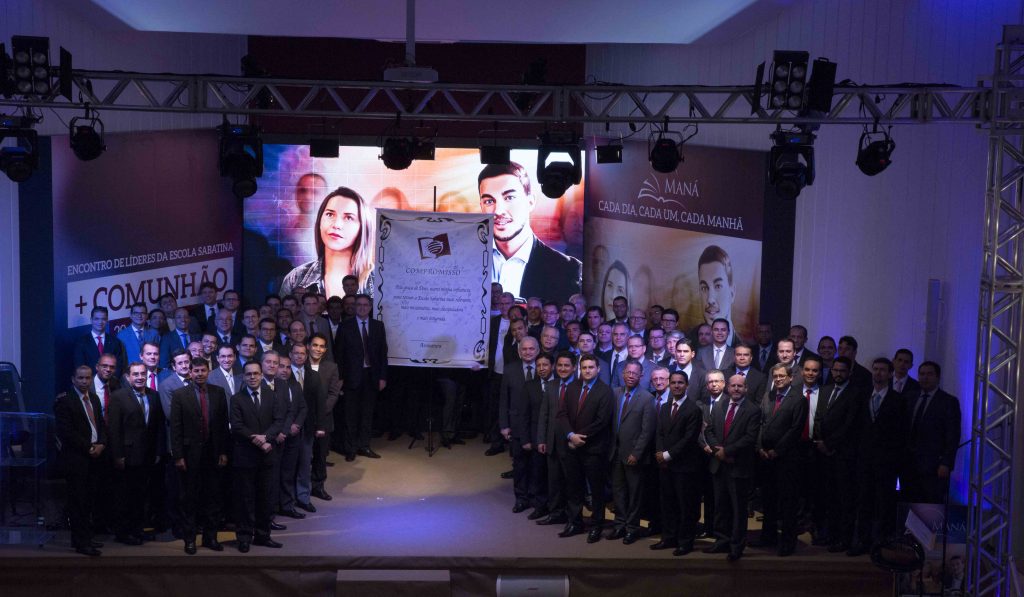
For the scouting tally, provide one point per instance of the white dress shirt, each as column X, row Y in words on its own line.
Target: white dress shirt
column 509, row 271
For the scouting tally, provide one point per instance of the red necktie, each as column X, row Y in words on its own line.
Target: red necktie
column 205, row 405
column 675, row 410
column 728, row 419
column 583, row 398
column 807, row 424
column 106, row 398
column 99, row 344
column 778, row 402
column 366, row 346
column 152, row 381
column 625, row 405
column 89, row 410
column 561, row 396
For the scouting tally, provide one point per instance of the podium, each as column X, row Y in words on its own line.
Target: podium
column 23, row 451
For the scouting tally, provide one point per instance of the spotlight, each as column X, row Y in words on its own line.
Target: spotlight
column 31, row 64
column 18, row 161
column 241, row 157
column 87, row 137
column 559, row 164
column 495, row 154
column 788, row 80
column 666, row 155
column 874, row 156
column 609, row 154
column 791, row 165
column 397, row 153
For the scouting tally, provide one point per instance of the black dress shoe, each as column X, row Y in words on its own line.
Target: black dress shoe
column 88, row 551
column 276, row 526
column 537, row 514
column 212, row 543
column 367, row 453
column 349, row 457
column 717, row 548
column 630, row 539
column 494, row 451
column 329, row 463
column 307, row 507
column 292, row 514
column 552, row 519
column 682, row 550
column 321, row 494
column 149, row 536
column 571, row 530
column 507, row 474
column 190, row 548
column 446, row 442
column 617, row 534
column 268, row 542
column 129, row 540
column 734, row 555
column 664, row 545
column 243, row 546
column 594, row 535
column 519, row 507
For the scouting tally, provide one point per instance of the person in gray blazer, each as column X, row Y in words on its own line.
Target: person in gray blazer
column 719, row 348
column 633, row 425
column 732, row 437
column 224, row 376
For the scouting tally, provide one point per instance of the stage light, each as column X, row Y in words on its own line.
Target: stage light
column 323, row 148
column 820, row 87
column 873, row 156
column 791, row 162
column 241, row 157
column 397, row 152
column 559, row 163
column 788, row 80
column 423, row 150
column 495, row 154
column 18, row 161
column 609, row 154
column 87, row 136
column 666, row 155
column 31, row 63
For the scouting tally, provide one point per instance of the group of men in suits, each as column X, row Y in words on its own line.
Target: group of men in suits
column 236, row 432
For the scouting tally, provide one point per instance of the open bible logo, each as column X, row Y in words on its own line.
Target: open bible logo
column 432, row 248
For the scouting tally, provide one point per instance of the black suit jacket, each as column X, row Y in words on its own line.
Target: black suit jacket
column 678, row 436
column 514, row 410
column 536, row 395
column 594, row 420
column 199, row 316
column 246, row 421
column 757, row 382
column 781, row 428
column 86, row 353
column 835, row 420
column 350, row 355
column 298, row 407
column 884, row 435
column 186, row 423
column 741, row 443
column 547, row 427
column 935, row 438
column 550, row 274
column 72, row 425
column 131, row 437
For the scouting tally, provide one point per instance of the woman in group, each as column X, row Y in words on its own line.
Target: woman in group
column 344, row 234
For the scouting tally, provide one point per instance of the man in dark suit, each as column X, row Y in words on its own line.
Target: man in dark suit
column 363, row 366
column 732, row 436
column 882, row 423
column 224, row 329
column 136, row 423
column 199, row 449
column 551, row 443
column 89, row 347
column 933, row 424
column 714, row 393
column 269, row 339
column 755, row 381
column 506, row 192
column 764, row 349
column 206, row 312
column 316, row 427
column 718, row 354
column 686, row 353
column 859, row 376
column 82, row 436
column 256, row 419
column 679, row 457
column 537, row 466
column 633, row 423
column 328, row 384
column 291, row 447
column 783, row 418
column 584, row 422
column 657, row 352
column 902, row 363
column 636, row 352
column 515, row 419
column 177, row 338
column 836, row 443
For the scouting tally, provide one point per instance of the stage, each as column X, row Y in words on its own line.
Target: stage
column 406, row 511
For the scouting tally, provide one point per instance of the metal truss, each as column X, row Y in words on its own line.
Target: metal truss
column 1001, row 314
column 597, row 103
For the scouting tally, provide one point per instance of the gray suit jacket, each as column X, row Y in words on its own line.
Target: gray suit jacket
column 167, row 386
column 634, row 426
column 707, row 358
column 218, row 379
column 645, row 377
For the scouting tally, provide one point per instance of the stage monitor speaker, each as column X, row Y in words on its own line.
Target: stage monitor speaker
column 533, row 586
column 393, row 583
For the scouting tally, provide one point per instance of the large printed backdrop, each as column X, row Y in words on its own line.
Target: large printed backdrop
column 279, row 219
column 646, row 232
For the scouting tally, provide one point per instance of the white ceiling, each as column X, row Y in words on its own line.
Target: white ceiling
column 519, row 21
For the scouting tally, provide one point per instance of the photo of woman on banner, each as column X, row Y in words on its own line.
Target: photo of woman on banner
column 523, row 265
column 615, row 284
column 343, row 233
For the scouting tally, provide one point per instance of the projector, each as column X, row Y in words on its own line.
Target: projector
column 410, row 74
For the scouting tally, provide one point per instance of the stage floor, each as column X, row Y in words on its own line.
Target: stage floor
column 451, row 511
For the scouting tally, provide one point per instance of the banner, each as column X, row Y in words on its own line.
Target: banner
column 433, row 277
column 285, row 239
column 690, row 240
